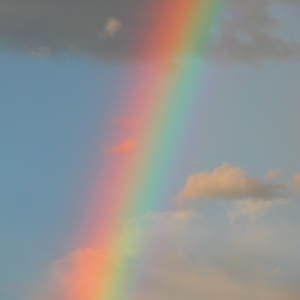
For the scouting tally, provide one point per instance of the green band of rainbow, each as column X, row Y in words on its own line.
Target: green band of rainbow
column 162, row 99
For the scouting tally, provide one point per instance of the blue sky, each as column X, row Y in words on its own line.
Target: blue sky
column 52, row 111
column 55, row 113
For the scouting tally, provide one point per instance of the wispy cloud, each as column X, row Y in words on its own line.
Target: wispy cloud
column 75, row 276
column 248, row 30
column 296, row 181
column 125, row 122
column 124, row 147
column 272, row 174
column 252, row 208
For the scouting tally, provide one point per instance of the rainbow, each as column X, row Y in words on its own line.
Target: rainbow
column 160, row 99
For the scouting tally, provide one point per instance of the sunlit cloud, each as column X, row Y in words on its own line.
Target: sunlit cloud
column 125, row 122
column 296, row 180
column 188, row 256
column 252, row 207
column 76, row 276
column 112, row 27
column 227, row 182
column 124, row 147
column 272, row 174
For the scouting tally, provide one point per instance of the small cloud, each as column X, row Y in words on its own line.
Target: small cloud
column 125, row 122
column 112, row 27
column 227, row 182
column 41, row 52
column 124, row 147
column 296, row 181
column 272, row 174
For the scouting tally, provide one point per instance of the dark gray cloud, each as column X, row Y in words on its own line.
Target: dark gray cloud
column 249, row 33
column 113, row 29
column 74, row 26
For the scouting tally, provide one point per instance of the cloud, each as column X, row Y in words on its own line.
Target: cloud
column 124, row 147
column 186, row 255
column 227, row 182
column 252, row 208
column 41, row 52
column 272, row 174
column 112, row 27
column 170, row 282
column 94, row 28
column 189, row 257
column 296, row 180
column 71, row 26
column 75, row 276
column 248, row 31
column 125, row 122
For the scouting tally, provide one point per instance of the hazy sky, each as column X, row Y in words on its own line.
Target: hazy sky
column 228, row 226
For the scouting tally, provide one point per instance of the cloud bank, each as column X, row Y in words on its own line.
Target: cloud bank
column 192, row 256
column 186, row 254
column 113, row 30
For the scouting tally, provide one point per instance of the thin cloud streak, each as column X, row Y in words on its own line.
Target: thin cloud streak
column 272, row 174
column 124, row 147
column 125, row 122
